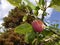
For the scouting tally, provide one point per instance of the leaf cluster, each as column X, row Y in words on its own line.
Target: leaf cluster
column 15, row 17
column 11, row 38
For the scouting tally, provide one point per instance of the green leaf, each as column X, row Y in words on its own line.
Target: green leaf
column 24, row 28
column 46, row 33
column 55, row 30
column 27, row 30
column 57, row 8
column 41, row 4
column 30, row 4
column 36, row 10
column 55, row 25
column 24, row 18
column 15, row 2
column 55, row 4
column 30, row 37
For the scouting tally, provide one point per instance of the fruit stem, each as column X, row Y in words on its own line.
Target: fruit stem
column 37, row 41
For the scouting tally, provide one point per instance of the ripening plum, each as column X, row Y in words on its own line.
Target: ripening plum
column 38, row 25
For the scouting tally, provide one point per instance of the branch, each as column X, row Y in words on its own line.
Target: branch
column 55, row 32
column 43, row 14
column 52, row 29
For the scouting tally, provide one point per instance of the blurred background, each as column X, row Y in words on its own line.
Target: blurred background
column 52, row 18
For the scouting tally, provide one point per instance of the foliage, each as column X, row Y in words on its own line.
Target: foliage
column 30, row 4
column 55, row 4
column 11, row 38
column 27, row 30
column 24, row 28
column 22, row 17
column 45, row 36
column 15, row 17
column 16, row 3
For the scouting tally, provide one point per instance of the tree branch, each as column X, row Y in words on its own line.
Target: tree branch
column 43, row 14
column 54, row 32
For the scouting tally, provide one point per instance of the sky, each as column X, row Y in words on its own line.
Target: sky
column 5, row 7
column 52, row 18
